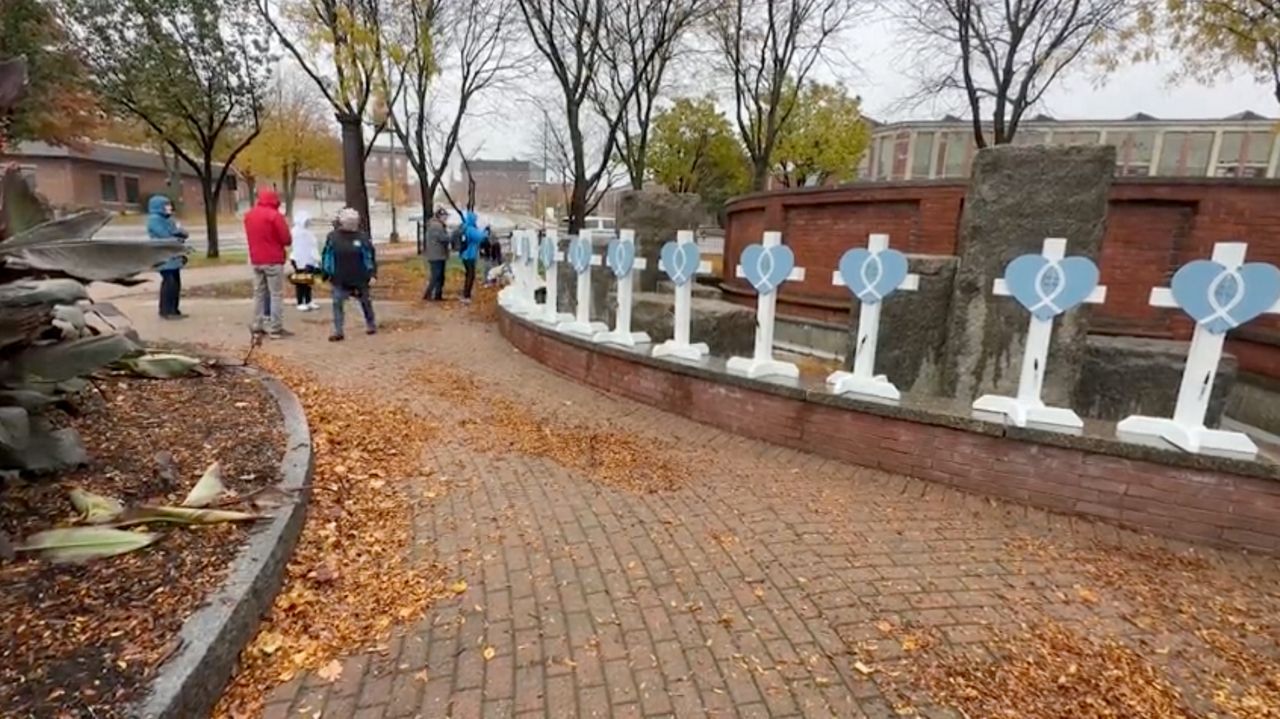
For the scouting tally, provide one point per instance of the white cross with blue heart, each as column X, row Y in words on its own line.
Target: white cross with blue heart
column 766, row 266
column 1047, row 285
column 620, row 258
column 582, row 258
column 682, row 261
column 871, row 274
column 549, row 256
column 1219, row 294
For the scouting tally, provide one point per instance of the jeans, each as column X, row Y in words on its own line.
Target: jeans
column 304, row 294
column 435, row 288
column 268, row 298
column 470, row 267
column 170, row 292
column 340, row 295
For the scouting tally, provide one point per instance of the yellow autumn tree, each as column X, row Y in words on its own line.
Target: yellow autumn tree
column 297, row 139
column 1218, row 36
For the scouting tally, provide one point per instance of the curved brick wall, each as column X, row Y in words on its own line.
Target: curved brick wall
column 1219, row 501
column 1153, row 227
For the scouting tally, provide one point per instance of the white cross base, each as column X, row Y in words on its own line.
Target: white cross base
column 550, row 312
column 581, row 324
column 863, row 380
column 621, row 334
column 762, row 363
column 1027, row 407
column 1186, row 429
column 679, row 346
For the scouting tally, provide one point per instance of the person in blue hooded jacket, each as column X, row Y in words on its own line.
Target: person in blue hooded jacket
column 470, row 237
column 162, row 226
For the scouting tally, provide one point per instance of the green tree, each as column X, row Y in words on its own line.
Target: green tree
column 825, row 139
column 59, row 108
column 693, row 149
column 1217, row 36
column 194, row 71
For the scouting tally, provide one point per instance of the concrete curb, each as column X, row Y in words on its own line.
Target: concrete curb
column 190, row 683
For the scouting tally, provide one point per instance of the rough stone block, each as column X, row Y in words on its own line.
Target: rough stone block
column 1019, row 196
column 727, row 328
column 1123, row 376
column 913, row 327
column 1255, row 400
column 656, row 217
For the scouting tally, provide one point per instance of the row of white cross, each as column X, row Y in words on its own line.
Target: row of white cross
column 1047, row 284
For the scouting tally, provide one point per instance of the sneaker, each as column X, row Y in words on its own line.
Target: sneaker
column 304, row 308
column 314, row 305
column 371, row 330
column 466, row 300
column 279, row 335
column 335, row 338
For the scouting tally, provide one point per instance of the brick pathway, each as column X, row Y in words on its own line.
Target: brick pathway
column 751, row 592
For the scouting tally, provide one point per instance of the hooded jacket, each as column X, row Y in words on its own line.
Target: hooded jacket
column 349, row 259
column 472, row 235
column 305, row 251
column 436, row 245
column 265, row 230
column 162, row 227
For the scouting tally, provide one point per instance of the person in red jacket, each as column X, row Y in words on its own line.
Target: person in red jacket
column 267, row 234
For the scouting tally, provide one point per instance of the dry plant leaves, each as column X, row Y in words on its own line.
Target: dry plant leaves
column 613, row 458
column 352, row 574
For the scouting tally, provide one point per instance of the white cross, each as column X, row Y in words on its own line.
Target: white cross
column 1027, row 405
column 622, row 334
column 1186, row 428
column 582, row 324
column 550, row 312
column 678, row 346
column 762, row 363
column 863, row 379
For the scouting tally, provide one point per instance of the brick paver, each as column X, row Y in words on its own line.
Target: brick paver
column 750, row 592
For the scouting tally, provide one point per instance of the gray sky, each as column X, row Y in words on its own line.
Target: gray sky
column 876, row 49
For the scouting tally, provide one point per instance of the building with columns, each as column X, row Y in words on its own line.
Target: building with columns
column 1244, row 145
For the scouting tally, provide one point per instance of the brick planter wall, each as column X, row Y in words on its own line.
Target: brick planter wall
column 1154, row 226
column 1216, row 501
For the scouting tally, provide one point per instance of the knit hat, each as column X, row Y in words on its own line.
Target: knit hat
column 349, row 218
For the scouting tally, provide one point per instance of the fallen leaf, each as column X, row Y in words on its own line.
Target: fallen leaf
column 1088, row 596
column 331, row 671
column 863, row 668
column 489, row 653
column 458, row 587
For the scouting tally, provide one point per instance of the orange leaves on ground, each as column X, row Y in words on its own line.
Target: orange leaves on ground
column 604, row 455
column 352, row 575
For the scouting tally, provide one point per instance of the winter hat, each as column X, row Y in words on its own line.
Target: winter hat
column 349, row 218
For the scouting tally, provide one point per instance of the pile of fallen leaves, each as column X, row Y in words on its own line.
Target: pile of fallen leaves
column 1229, row 620
column 85, row 639
column 602, row 454
column 1051, row 671
column 353, row 574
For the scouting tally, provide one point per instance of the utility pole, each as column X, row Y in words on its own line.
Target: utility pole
column 395, row 234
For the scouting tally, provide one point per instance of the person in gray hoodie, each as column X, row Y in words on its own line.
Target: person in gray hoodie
column 435, row 253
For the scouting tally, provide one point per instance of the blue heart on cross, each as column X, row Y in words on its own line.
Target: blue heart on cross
column 580, row 254
column 547, row 252
column 680, row 261
column 1220, row 299
column 1046, row 287
column 620, row 256
column 873, row 276
column 767, row 267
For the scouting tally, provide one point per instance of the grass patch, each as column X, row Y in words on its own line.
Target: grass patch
column 229, row 257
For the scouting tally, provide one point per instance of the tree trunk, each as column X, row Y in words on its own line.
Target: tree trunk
column 759, row 173
column 577, row 207
column 210, row 215
column 355, row 193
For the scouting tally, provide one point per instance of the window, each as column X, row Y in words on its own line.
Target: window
column 954, row 154
column 921, row 156
column 131, row 193
column 1133, row 152
column 1030, row 137
column 1084, row 137
column 884, row 158
column 107, row 183
column 1244, row 154
column 1186, row 154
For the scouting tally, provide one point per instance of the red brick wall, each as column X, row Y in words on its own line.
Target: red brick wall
column 1196, row 504
column 1153, row 227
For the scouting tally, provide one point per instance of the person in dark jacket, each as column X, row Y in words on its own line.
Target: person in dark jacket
column 162, row 226
column 435, row 254
column 351, row 266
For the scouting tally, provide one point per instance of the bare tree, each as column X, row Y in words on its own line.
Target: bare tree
column 1004, row 52
column 346, row 36
column 770, row 47
column 452, row 52
column 634, row 36
column 580, row 39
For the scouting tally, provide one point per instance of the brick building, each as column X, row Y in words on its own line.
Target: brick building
column 502, row 185
column 1241, row 145
column 111, row 177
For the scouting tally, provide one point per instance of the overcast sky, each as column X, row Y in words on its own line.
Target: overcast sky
column 877, row 49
